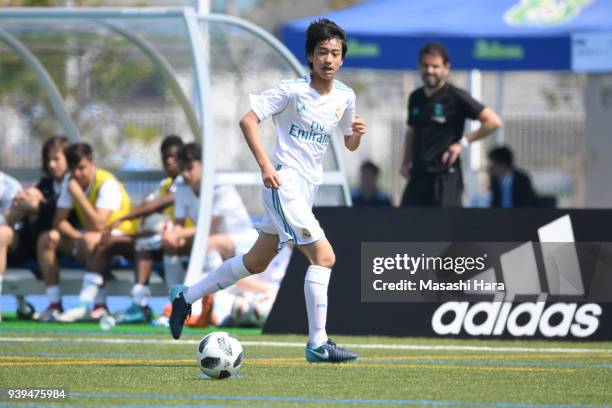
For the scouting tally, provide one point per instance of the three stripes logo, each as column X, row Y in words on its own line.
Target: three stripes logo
column 521, row 277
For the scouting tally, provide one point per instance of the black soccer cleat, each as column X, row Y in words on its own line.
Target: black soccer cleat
column 181, row 310
column 329, row 352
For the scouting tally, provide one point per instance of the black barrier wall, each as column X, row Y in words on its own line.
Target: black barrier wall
column 347, row 228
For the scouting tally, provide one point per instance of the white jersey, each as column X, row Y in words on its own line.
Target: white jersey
column 226, row 203
column 9, row 187
column 305, row 122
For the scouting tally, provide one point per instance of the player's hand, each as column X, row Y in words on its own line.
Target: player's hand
column 358, row 126
column 270, row 177
column 405, row 169
column 172, row 239
column 451, row 154
column 108, row 232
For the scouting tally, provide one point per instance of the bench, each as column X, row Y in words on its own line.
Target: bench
column 21, row 280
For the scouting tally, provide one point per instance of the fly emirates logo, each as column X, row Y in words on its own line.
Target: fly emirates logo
column 316, row 133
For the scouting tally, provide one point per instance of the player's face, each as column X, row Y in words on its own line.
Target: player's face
column 170, row 162
column 433, row 70
column 56, row 163
column 368, row 180
column 497, row 170
column 84, row 172
column 326, row 58
column 192, row 173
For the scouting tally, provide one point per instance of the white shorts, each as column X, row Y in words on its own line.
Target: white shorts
column 289, row 209
column 244, row 240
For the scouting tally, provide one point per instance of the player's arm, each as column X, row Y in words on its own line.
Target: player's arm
column 353, row 141
column 61, row 223
column 249, row 126
column 406, row 165
column 145, row 208
column 215, row 224
column 97, row 217
column 489, row 123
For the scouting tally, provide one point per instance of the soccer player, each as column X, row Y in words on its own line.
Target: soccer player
column 32, row 209
column 9, row 189
column 306, row 113
column 231, row 229
column 98, row 199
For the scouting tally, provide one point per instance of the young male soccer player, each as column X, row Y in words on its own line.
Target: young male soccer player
column 306, row 113
column 98, row 199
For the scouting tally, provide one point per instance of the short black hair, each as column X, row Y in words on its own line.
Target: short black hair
column 171, row 141
column 189, row 152
column 369, row 165
column 77, row 152
column 54, row 142
column 321, row 30
column 435, row 48
column 502, row 155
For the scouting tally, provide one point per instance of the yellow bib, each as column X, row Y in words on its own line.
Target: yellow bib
column 101, row 176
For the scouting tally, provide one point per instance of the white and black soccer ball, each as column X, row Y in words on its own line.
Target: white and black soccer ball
column 219, row 355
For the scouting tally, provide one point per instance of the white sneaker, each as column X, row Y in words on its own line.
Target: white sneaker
column 72, row 315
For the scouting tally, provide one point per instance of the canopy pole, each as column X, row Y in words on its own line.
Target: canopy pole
column 473, row 157
column 499, row 105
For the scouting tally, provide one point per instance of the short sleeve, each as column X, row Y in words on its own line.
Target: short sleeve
column 272, row 101
column 469, row 106
column 109, row 196
column 409, row 120
column 65, row 198
column 347, row 117
column 8, row 190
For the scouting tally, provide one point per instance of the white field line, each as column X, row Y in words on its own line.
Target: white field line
column 498, row 349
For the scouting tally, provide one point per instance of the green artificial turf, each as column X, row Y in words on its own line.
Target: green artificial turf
column 140, row 365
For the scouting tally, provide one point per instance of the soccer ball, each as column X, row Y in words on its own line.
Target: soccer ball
column 219, row 355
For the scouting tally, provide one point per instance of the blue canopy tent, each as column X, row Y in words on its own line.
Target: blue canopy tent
column 501, row 35
column 482, row 35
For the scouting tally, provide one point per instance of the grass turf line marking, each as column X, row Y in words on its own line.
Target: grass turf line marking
column 145, row 362
column 396, row 361
column 560, row 350
column 7, row 355
column 326, row 400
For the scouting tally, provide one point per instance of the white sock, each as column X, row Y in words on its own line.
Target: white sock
column 53, row 294
column 91, row 286
column 228, row 273
column 212, row 261
column 101, row 296
column 140, row 294
column 174, row 272
column 315, row 293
